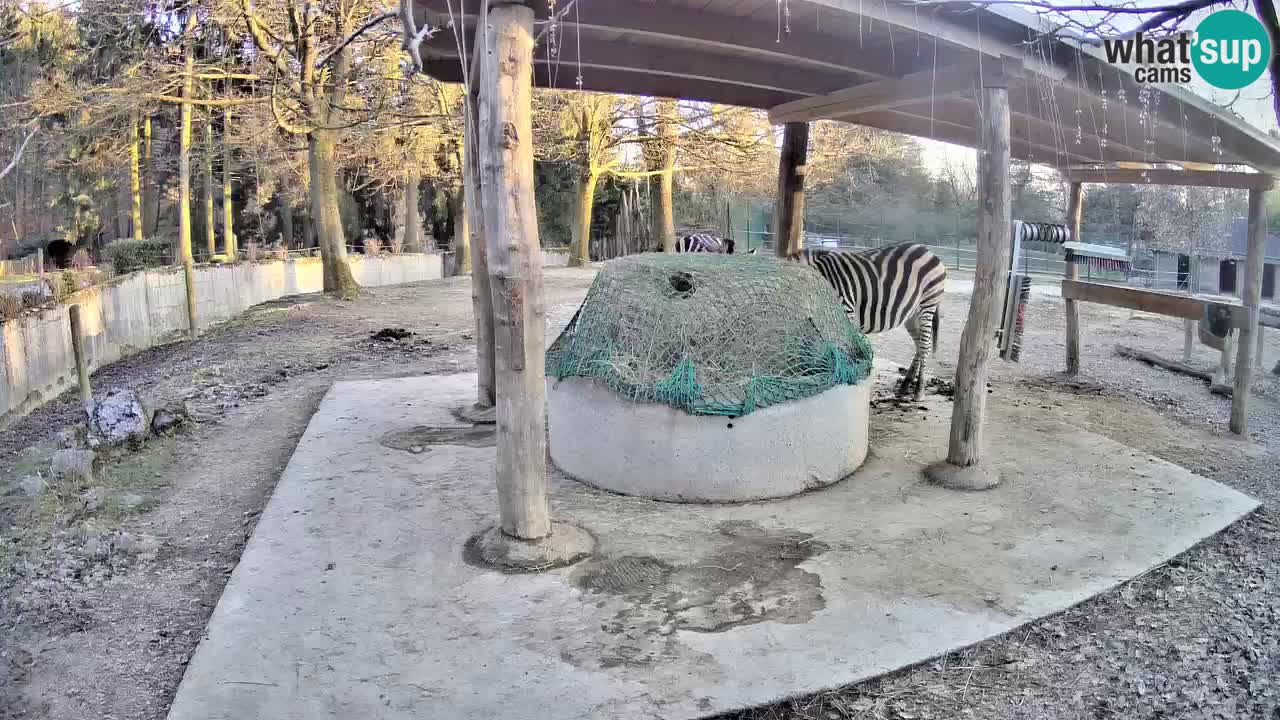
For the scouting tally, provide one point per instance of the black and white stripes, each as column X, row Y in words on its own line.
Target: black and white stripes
column 705, row 243
column 886, row 287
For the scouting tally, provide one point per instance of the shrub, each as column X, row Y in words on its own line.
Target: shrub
column 11, row 306
column 130, row 255
column 397, row 243
column 251, row 252
column 372, row 246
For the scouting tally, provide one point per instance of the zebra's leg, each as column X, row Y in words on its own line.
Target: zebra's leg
column 920, row 326
column 912, row 326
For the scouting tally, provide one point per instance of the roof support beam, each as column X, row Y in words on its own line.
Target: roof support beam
column 1160, row 176
column 890, row 93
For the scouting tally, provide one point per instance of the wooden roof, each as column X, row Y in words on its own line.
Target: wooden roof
column 1069, row 106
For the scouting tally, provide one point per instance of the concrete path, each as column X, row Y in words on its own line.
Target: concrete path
column 353, row 598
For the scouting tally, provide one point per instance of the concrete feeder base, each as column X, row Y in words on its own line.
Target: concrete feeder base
column 656, row 451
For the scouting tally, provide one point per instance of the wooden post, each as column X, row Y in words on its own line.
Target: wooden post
column 1075, row 207
column 788, row 222
column 1251, row 296
column 40, row 264
column 1261, row 343
column 77, row 348
column 475, row 256
column 990, row 279
column 1189, row 326
column 515, row 270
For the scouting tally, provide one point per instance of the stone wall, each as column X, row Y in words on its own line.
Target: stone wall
column 144, row 309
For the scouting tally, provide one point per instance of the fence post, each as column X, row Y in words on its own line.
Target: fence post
column 77, row 348
column 40, row 264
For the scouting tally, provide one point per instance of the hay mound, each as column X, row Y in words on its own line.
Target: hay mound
column 711, row 334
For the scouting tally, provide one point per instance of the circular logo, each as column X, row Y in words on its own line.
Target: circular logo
column 1231, row 49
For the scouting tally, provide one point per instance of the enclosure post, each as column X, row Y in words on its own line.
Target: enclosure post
column 1075, row 206
column 1261, row 342
column 991, row 275
column 525, row 536
column 474, row 236
column 77, row 349
column 40, row 264
column 789, row 217
column 1189, row 326
column 1251, row 297
column 515, row 278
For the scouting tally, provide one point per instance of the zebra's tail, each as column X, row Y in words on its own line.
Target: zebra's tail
column 937, row 321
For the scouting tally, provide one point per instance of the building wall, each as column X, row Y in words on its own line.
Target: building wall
column 148, row 308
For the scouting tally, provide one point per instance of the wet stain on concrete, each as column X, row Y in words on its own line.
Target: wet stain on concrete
column 417, row 439
column 753, row 577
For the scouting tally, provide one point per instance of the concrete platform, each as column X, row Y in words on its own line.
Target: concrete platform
column 656, row 451
column 353, row 600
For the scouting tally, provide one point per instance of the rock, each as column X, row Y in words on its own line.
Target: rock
column 119, row 418
column 171, row 417
column 32, row 485
column 130, row 501
column 94, row 497
column 73, row 465
column 71, row 436
column 137, row 544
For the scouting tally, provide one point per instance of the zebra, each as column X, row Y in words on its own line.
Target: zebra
column 886, row 287
column 705, row 243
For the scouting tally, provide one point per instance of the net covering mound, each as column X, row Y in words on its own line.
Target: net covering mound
column 711, row 334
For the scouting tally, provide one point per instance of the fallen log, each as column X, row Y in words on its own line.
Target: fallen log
column 1153, row 359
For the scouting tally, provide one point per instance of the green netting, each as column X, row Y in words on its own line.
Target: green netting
column 711, row 334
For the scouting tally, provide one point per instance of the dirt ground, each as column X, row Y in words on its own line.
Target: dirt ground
column 101, row 608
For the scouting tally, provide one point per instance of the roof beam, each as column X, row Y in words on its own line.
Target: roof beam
column 883, row 94
column 698, row 30
column 929, row 22
column 1163, row 176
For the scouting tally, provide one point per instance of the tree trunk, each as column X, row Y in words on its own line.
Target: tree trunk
column 286, row 223
column 135, row 179
column 229, row 242
column 664, row 217
column 586, row 203
column 184, row 179
column 150, row 189
column 788, row 234
column 412, row 220
column 338, row 279
column 515, row 272
column 1251, row 297
column 474, row 223
column 990, row 277
column 462, row 247
column 1075, row 208
column 211, row 238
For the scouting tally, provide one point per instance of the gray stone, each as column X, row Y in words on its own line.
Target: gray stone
column 72, row 436
column 73, row 465
column 32, row 485
column 120, row 417
column 139, row 544
column 94, row 497
column 130, row 501
column 170, row 418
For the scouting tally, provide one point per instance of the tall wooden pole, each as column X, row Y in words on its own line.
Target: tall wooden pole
column 789, row 217
column 961, row 469
column 474, row 236
column 184, row 172
column 1251, row 297
column 1075, row 207
column 515, row 270
column 77, row 349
